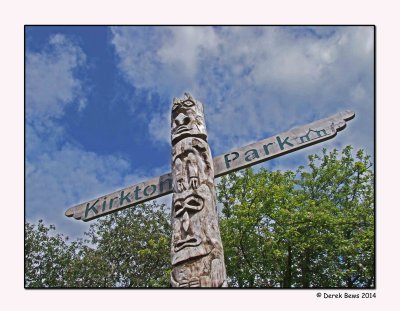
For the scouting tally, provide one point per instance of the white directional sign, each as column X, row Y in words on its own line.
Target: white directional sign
column 282, row 143
column 233, row 160
column 132, row 195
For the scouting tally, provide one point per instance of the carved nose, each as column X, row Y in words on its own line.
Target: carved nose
column 182, row 119
column 185, row 221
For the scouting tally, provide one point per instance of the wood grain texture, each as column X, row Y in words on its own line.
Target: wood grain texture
column 197, row 254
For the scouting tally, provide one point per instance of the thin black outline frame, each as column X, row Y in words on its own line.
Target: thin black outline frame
column 369, row 289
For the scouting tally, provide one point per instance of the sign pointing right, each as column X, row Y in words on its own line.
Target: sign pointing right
column 282, row 143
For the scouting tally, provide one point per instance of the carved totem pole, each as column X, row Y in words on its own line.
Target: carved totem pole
column 196, row 247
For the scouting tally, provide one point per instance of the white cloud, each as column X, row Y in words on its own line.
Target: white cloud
column 67, row 176
column 164, row 58
column 63, row 177
column 160, row 128
column 59, row 174
column 252, row 80
column 186, row 47
column 51, row 84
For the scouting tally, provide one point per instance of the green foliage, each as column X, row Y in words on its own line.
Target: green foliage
column 310, row 228
column 134, row 247
column 125, row 249
column 47, row 257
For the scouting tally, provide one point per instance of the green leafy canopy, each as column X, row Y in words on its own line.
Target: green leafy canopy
column 309, row 228
column 313, row 227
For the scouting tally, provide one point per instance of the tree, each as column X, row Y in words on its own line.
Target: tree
column 309, row 228
column 125, row 249
column 47, row 257
column 131, row 248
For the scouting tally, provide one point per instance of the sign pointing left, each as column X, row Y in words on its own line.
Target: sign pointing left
column 130, row 196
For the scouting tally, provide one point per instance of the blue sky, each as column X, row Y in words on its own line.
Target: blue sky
column 98, row 100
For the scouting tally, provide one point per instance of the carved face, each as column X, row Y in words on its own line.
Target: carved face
column 193, row 214
column 191, row 164
column 194, row 224
column 184, row 209
column 187, row 120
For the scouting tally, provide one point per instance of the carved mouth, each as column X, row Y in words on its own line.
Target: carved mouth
column 182, row 129
column 190, row 241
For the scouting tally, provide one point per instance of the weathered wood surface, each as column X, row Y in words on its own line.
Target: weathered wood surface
column 197, row 254
column 236, row 159
column 281, row 144
column 118, row 200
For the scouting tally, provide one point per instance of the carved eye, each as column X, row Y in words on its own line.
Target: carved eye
column 184, row 104
column 193, row 204
column 188, row 103
column 178, row 209
column 181, row 120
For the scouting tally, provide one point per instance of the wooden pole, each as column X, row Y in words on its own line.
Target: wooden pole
column 196, row 248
